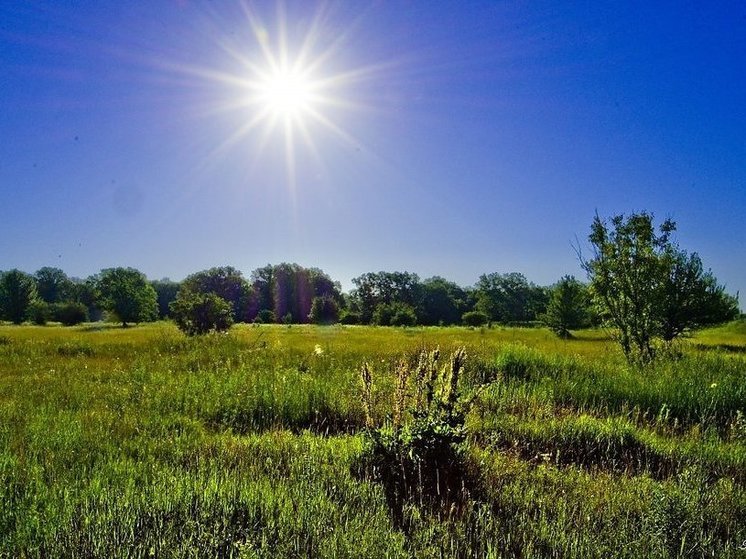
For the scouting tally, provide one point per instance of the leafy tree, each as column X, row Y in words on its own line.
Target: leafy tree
column 53, row 285
column 475, row 318
column 225, row 282
column 691, row 297
column 324, row 310
column 127, row 293
column 394, row 314
column 17, row 293
column 39, row 312
column 568, row 307
column 509, row 297
column 165, row 291
column 70, row 313
column 443, row 302
column 290, row 289
column 646, row 287
column 373, row 289
column 86, row 293
column 200, row 313
column 265, row 316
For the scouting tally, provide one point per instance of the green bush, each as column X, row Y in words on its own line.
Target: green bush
column 394, row 314
column 350, row 317
column 70, row 313
column 39, row 312
column 265, row 316
column 200, row 313
column 475, row 318
column 324, row 310
column 419, row 456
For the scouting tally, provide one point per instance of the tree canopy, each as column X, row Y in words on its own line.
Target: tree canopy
column 127, row 293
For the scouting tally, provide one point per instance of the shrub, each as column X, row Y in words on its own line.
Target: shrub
column 324, row 310
column 265, row 316
column 200, row 313
column 350, row 317
column 39, row 312
column 394, row 314
column 419, row 456
column 70, row 313
column 475, row 318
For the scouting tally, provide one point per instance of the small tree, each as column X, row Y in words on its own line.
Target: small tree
column 475, row 318
column 17, row 293
column 324, row 310
column 126, row 293
column 567, row 308
column 200, row 313
column 646, row 287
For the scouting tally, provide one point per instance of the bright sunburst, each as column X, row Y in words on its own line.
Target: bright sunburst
column 288, row 93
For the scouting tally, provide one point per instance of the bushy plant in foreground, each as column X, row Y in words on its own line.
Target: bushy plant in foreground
column 418, row 456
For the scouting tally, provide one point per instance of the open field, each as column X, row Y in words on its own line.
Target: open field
column 141, row 442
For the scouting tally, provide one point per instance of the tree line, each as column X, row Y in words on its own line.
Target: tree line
column 640, row 283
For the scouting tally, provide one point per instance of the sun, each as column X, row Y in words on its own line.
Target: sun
column 287, row 93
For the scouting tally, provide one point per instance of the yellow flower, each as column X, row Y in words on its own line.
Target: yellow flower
column 317, row 350
column 714, row 385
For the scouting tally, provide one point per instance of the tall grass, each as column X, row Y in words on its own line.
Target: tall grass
column 140, row 442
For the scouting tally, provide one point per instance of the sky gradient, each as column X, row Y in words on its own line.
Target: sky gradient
column 453, row 139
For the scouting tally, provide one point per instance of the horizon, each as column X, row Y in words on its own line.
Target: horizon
column 358, row 137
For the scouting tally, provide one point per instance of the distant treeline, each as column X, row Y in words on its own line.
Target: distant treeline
column 282, row 293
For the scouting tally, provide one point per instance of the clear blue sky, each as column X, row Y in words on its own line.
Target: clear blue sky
column 453, row 138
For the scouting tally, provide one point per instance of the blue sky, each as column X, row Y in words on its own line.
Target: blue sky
column 454, row 138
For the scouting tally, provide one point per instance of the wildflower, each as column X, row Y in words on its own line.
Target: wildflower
column 317, row 350
column 714, row 385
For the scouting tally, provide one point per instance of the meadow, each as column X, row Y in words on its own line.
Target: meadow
column 142, row 442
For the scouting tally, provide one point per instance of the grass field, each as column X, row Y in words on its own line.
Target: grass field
column 140, row 442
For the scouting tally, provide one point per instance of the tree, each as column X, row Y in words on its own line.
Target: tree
column 567, row 308
column 17, row 293
column 691, row 297
column 225, row 282
column 165, row 291
column 70, row 313
column 443, row 302
column 127, row 293
column 646, row 287
column 53, row 285
column 373, row 289
column 509, row 297
column 200, row 313
column 324, row 310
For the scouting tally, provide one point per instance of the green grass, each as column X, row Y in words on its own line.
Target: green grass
column 140, row 442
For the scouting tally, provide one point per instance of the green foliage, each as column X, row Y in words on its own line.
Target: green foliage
column 509, row 298
column 443, row 302
column 17, row 293
column 349, row 317
column 39, row 312
column 227, row 283
column 265, row 316
column 418, row 456
column 53, row 285
column 165, row 291
column 143, row 442
column 70, row 313
column 200, row 313
column 394, row 314
column 475, row 318
column 646, row 287
column 568, row 307
column 126, row 293
column 324, row 310
column 385, row 288
column 290, row 289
